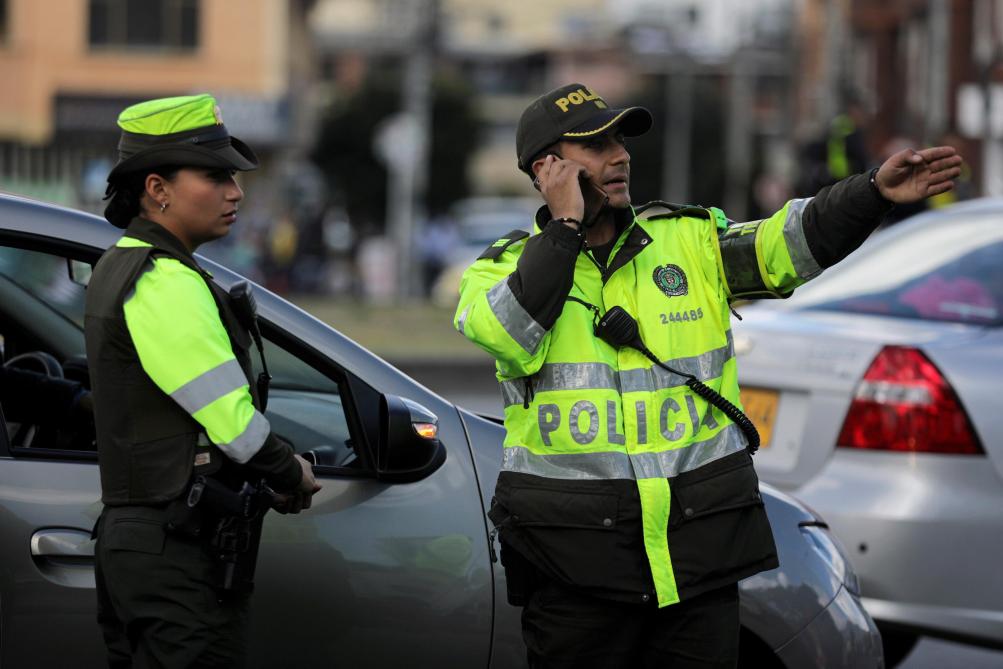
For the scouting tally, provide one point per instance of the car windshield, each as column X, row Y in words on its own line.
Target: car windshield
column 943, row 269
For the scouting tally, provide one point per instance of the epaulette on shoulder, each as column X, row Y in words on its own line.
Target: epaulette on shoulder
column 660, row 209
column 720, row 219
column 496, row 249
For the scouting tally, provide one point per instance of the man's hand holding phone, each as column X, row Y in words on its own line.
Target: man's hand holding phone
column 559, row 182
column 568, row 190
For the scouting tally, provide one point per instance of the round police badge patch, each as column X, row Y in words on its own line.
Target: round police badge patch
column 671, row 280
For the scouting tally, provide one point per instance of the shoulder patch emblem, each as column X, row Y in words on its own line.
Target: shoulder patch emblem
column 498, row 248
column 671, row 280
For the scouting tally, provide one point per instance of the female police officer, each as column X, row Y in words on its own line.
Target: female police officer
column 171, row 377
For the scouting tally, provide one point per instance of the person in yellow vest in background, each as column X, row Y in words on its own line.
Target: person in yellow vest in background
column 628, row 506
column 846, row 153
column 183, row 444
column 838, row 151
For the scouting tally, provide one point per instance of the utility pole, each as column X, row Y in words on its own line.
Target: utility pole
column 836, row 46
column 940, row 59
column 408, row 140
column 987, row 54
column 678, row 131
column 738, row 145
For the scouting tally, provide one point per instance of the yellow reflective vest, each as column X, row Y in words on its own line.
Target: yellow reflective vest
column 171, row 375
column 616, row 476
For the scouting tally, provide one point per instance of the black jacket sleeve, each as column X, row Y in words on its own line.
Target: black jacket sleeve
column 545, row 272
column 275, row 461
column 840, row 218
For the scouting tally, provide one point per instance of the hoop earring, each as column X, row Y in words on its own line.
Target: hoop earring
column 163, row 206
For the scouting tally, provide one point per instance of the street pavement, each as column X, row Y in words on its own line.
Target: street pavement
column 471, row 385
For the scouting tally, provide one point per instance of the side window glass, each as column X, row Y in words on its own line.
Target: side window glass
column 46, row 278
column 42, row 350
column 307, row 408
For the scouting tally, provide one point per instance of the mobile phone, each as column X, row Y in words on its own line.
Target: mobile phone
column 583, row 181
column 583, row 178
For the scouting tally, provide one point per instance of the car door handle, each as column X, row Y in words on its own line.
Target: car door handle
column 63, row 543
column 64, row 556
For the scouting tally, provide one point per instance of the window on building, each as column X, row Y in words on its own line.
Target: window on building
column 144, row 24
column 3, row 21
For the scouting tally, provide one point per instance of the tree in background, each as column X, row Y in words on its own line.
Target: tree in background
column 356, row 175
column 707, row 148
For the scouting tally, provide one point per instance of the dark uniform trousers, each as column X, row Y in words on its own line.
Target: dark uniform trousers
column 565, row 628
column 161, row 608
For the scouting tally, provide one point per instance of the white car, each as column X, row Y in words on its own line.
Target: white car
column 877, row 390
column 480, row 221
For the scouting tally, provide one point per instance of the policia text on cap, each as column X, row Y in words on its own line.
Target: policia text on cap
column 627, row 506
column 188, row 462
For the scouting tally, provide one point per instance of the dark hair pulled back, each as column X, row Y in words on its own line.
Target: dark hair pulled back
column 126, row 194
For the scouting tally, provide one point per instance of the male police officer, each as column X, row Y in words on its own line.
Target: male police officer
column 627, row 504
column 179, row 422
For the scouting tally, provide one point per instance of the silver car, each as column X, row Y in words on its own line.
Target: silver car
column 393, row 566
column 877, row 390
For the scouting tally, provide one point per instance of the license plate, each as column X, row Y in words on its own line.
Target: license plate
column 761, row 407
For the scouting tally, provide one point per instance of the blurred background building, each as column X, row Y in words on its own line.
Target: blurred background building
column 378, row 120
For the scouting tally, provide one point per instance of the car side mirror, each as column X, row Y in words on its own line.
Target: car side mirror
column 409, row 448
column 79, row 271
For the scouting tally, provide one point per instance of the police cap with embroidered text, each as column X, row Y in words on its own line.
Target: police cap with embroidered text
column 569, row 113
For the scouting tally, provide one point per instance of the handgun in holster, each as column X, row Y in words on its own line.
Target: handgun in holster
column 229, row 524
column 234, row 541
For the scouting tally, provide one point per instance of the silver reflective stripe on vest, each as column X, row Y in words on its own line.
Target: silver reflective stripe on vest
column 210, row 386
column 580, row 466
column 709, row 365
column 614, row 465
column 600, row 376
column 562, row 376
column 249, row 441
column 517, row 322
column 669, row 463
column 801, row 257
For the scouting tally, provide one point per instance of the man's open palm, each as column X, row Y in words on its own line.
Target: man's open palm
column 910, row 176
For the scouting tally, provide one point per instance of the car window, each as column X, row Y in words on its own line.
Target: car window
column 41, row 310
column 952, row 272
column 45, row 277
column 41, row 321
column 305, row 407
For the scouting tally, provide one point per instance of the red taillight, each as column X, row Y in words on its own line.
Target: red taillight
column 904, row 403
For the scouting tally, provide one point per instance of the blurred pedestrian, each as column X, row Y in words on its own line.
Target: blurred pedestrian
column 627, row 507
column 435, row 244
column 841, row 152
column 179, row 422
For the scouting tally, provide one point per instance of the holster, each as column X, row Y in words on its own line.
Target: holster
column 521, row 577
column 229, row 524
column 234, row 546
